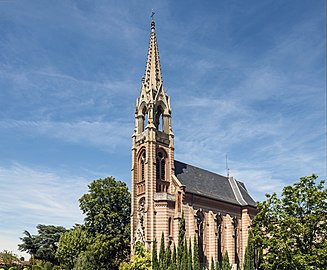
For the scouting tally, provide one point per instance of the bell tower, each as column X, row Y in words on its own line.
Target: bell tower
column 152, row 150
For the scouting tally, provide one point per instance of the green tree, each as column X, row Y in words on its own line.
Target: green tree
column 86, row 260
column 190, row 259
column 249, row 254
column 173, row 258
column 8, row 258
column 292, row 230
column 225, row 262
column 29, row 245
column 141, row 260
column 107, row 210
column 181, row 241
column 167, row 261
column 42, row 246
column 155, row 263
column 162, row 252
column 212, row 265
column 71, row 244
column 196, row 261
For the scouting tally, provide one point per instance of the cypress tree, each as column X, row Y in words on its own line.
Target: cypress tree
column 212, row 267
column 155, row 263
column 167, row 261
column 162, row 252
column 190, row 261
column 181, row 239
column 174, row 255
column 196, row 261
column 249, row 254
column 184, row 263
column 225, row 263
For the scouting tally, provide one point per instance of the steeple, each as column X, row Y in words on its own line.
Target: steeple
column 153, row 105
column 152, row 79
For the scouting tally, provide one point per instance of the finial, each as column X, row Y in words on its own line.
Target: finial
column 152, row 21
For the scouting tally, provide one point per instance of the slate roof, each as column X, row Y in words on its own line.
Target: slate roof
column 202, row 182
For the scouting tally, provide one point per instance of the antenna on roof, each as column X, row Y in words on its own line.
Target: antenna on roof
column 227, row 168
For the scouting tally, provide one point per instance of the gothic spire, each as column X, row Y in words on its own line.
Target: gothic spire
column 152, row 79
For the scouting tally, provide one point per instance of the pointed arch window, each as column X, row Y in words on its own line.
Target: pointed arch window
column 160, row 166
column 143, row 167
column 140, row 179
column 219, row 224
column 159, row 119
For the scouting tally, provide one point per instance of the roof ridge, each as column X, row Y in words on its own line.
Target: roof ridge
column 201, row 169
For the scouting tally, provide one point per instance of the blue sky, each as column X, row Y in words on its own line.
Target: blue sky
column 246, row 78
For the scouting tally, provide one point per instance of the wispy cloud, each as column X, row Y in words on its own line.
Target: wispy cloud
column 106, row 135
column 31, row 196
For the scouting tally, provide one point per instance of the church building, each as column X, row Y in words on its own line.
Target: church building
column 218, row 210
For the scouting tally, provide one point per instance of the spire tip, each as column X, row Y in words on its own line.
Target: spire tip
column 152, row 21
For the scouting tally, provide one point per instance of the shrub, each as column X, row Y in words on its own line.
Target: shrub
column 36, row 267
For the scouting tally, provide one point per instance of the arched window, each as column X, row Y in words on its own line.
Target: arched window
column 219, row 223
column 160, row 166
column 235, row 235
column 142, row 167
column 159, row 119
column 170, row 227
column 145, row 121
column 200, row 233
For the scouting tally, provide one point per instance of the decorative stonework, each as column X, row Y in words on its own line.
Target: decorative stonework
column 140, row 232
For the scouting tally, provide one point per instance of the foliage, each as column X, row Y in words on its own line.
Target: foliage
column 190, row 259
column 86, row 260
column 249, row 263
column 8, row 257
column 181, row 240
column 107, row 210
column 42, row 246
column 173, row 258
column 71, row 244
column 36, row 267
column 292, row 230
column 196, row 261
column 167, row 259
column 225, row 262
column 155, row 263
column 47, row 266
column 140, row 261
column 212, row 265
column 162, row 252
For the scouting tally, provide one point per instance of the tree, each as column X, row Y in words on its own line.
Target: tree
column 212, row 265
column 196, row 261
column 167, row 260
column 181, row 242
column 71, row 244
column 190, row 259
column 225, row 262
column 162, row 252
column 29, row 245
column 8, row 258
column 42, row 246
column 141, row 260
column 86, row 260
column 249, row 254
column 292, row 230
column 155, row 263
column 107, row 210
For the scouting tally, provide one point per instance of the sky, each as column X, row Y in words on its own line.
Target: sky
column 247, row 79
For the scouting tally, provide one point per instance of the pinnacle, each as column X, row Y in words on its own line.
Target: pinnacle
column 152, row 76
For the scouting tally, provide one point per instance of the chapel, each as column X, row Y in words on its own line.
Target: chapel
column 218, row 209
